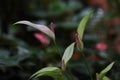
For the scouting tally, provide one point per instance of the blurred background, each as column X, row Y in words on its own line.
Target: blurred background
column 22, row 53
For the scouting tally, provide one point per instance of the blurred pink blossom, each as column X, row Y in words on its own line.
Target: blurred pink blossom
column 42, row 38
column 101, row 46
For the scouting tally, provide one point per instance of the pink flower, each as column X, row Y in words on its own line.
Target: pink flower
column 42, row 38
column 101, row 46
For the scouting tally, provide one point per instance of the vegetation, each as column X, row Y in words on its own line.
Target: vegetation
column 25, row 50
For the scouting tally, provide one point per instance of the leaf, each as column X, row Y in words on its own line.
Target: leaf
column 68, row 54
column 47, row 71
column 82, row 25
column 106, row 78
column 103, row 72
column 42, row 28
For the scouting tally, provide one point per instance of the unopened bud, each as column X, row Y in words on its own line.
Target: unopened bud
column 78, row 41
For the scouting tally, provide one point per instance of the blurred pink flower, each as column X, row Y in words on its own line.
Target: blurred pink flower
column 101, row 46
column 42, row 38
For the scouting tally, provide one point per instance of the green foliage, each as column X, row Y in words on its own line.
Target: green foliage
column 55, row 72
column 106, row 78
column 51, row 71
column 48, row 71
column 104, row 71
column 23, row 52
column 81, row 28
column 67, row 54
column 82, row 25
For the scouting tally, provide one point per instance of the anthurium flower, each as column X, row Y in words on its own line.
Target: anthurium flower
column 42, row 28
column 42, row 38
column 101, row 46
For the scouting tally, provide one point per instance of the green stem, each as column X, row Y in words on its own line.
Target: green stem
column 71, row 76
column 68, row 75
column 86, row 64
column 57, row 47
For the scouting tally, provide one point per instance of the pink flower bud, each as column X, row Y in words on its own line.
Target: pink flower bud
column 101, row 46
column 78, row 41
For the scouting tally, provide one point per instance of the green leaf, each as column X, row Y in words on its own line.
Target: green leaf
column 42, row 28
column 106, row 78
column 68, row 54
column 82, row 25
column 103, row 72
column 54, row 72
